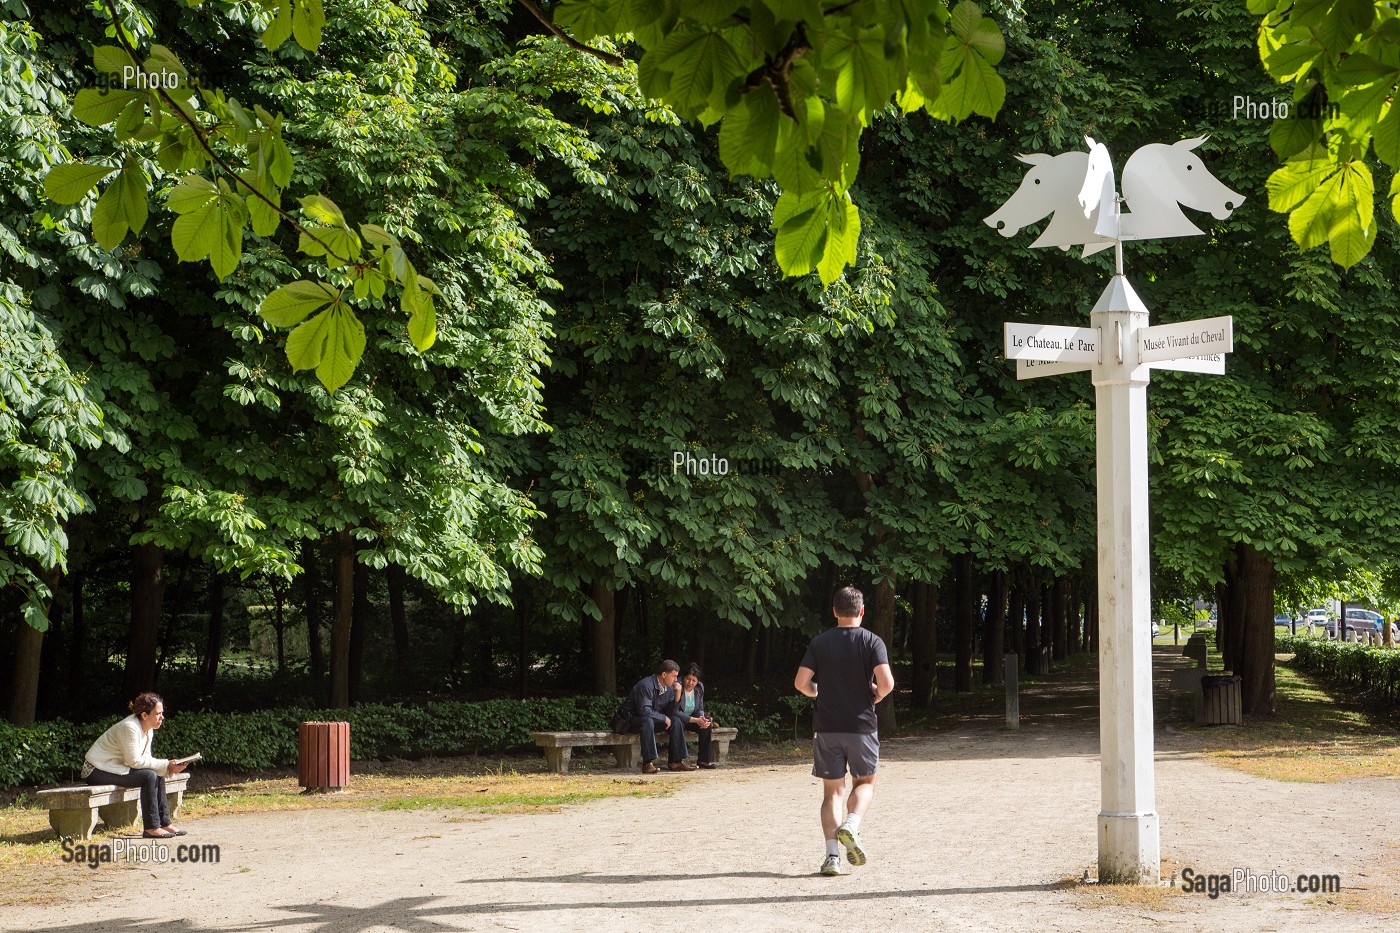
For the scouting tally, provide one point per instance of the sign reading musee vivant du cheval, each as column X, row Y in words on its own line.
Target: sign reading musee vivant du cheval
column 1078, row 192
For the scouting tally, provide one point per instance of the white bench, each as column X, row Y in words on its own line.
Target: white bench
column 627, row 747
column 74, row 811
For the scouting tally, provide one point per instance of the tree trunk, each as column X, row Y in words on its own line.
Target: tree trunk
column 522, row 624
column 214, row 643
column 29, row 648
column 963, row 611
column 1222, row 610
column 923, row 643
column 1057, row 619
column 342, row 610
column 992, row 628
column 147, row 593
column 359, row 630
column 1234, row 635
column 1032, row 636
column 398, row 617
column 1257, row 575
column 279, row 626
column 484, row 617
column 603, row 677
column 1016, row 620
column 1047, row 617
column 77, row 642
column 880, row 620
column 311, row 573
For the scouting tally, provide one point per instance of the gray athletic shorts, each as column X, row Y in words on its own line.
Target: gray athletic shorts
column 834, row 752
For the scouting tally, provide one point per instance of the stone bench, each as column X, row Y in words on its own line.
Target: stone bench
column 74, row 811
column 627, row 747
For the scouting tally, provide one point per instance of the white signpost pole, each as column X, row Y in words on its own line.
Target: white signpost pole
column 1129, row 848
column 1120, row 350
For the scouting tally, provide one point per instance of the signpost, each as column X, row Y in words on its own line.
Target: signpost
column 1120, row 350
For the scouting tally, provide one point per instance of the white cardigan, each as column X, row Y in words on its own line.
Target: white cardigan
column 123, row 748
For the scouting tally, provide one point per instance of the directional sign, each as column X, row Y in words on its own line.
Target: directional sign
column 1032, row 369
column 1206, row 337
column 1052, row 342
column 1212, row 363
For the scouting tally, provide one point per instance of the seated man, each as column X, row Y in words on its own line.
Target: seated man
column 648, row 708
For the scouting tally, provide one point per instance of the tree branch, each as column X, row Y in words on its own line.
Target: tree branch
column 214, row 157
column 567, row 39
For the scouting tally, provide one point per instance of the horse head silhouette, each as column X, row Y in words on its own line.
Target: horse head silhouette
column 1049, row 188
column 1159, row 179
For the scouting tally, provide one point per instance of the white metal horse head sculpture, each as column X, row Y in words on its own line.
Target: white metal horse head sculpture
column 1157, row 180
column 1048, row 188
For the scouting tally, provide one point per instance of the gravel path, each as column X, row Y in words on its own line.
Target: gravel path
column 975, row 829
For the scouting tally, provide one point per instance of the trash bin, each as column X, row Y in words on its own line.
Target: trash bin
column 323, row 755
column 1221, row 695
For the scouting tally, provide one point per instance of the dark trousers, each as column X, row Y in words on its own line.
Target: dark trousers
column 647, row 727
column 706, row 735
column 155, row 812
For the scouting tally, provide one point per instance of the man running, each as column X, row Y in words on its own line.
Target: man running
column 852, row 667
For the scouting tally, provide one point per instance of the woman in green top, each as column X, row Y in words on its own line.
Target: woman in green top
column 690, row 709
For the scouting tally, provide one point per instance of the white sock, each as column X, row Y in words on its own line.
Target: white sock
column 852, row 823
column 833, row 847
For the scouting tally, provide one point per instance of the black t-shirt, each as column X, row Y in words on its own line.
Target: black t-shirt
column 844, row 661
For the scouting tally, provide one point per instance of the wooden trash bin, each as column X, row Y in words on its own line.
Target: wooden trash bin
column 323, row 755
column 1222, row 700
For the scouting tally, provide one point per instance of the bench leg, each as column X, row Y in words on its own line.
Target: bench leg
column 120, row 815
column 173, row 799
column 558, row 759
column 77, row 823
column 629, row 755
column 721, row 747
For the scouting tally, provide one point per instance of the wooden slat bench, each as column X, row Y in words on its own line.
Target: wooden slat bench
column 627, row 747
column 74, row 811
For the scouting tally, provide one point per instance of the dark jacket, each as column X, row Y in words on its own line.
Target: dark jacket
column 649, row 700
column 699, row 704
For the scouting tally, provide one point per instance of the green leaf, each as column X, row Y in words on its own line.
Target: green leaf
column 69, row 183
column 842, row 238
column 422, row 325
column 748, row 137
column 801, row 227
column 111, row 59
column 280, row 29
column 1290, row 136
column 122, row 207
column 1288, row 62
column 308, row 18
column 322, row 210
column 1292, row 184
column 332, row 342
column 702, row 63
column 863, row 79
column 974, row 88
column 290, row 304
column 100, row 106
column 377, row 235
column 214, row 230
column 586, row 19
column 972, row 29
column 1387, row 136
column 192, row 193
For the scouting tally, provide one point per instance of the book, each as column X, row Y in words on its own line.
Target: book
column 187, row 760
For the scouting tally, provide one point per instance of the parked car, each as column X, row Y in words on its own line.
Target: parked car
column 1283, row 621
column 1360, row 621
column 1319, row 617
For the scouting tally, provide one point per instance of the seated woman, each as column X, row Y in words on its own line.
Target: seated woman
column 690, row 709
column 122, row 756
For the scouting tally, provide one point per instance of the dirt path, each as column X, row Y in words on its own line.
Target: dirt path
column 975, row 829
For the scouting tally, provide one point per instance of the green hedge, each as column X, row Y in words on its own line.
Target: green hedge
column 52, row 752
column 1374, row 671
